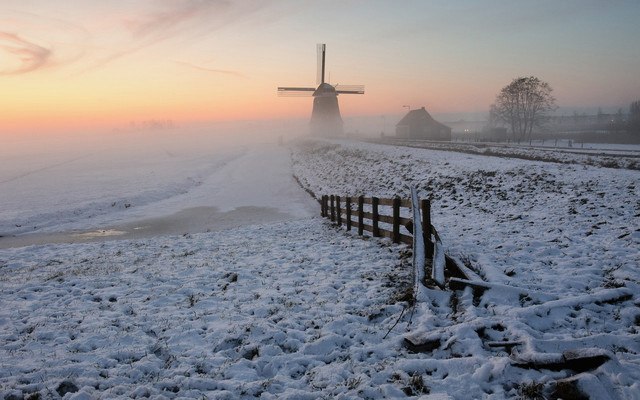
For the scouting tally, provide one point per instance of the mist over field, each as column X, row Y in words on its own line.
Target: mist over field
column 49, row 180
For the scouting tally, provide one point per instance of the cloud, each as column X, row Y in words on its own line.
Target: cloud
column 164, row 20
column 31, row 41
column 162, row 24
column 24, row 56
column 217, row 71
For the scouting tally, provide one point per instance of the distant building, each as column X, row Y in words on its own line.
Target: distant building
column 418, row 124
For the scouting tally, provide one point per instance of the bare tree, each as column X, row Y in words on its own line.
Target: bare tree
column 523, row 105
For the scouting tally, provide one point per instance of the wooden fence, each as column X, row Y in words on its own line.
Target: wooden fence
column 350, row 211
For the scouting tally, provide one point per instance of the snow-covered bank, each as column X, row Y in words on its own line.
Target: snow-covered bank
column 291, row 310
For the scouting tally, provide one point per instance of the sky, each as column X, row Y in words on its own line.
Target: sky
column 92, row 63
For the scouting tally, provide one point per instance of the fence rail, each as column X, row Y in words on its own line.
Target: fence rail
column 350, row 211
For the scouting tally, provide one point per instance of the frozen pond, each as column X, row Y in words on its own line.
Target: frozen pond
column 75, row 189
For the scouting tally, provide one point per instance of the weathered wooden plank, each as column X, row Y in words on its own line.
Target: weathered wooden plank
column 460, row 284
column 385, row 233
column 396, row 220
column 579, row 360
column 389, row 202
column 374, row 220
column 454, row 270
column 366, row 227
column 406, row 222
column 406, row 239
column 333, row 208
column 338, row 211
column 385, row 218
column 421, row 346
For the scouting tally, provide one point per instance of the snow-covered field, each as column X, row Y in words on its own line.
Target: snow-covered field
column 290, row 310
column 291, row 307
column 551, row 230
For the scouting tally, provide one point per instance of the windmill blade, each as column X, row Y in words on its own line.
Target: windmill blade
column 320, row 69
column 295, row 91
column 350, row 89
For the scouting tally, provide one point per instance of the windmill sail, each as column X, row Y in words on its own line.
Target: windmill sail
column 320, row 73
column 349, row 89
column 296, row 91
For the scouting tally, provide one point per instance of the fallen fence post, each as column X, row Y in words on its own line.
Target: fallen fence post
column 338, row 212
column 360, row 215
column 348, row 209
column 333, row 210
column 396, row 219
column 376, row 216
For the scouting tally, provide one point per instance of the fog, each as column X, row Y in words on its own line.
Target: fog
column 69, row 181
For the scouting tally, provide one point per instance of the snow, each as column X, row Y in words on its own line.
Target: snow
column 282, row 304
column 437, row 270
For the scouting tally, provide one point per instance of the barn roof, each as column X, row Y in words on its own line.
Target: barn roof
column 419, row 116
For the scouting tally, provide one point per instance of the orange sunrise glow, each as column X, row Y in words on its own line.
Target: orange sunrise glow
column 103, row 64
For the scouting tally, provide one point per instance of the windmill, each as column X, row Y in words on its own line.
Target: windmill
column 325, row 117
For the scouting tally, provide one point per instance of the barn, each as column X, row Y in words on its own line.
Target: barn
column 419, row 124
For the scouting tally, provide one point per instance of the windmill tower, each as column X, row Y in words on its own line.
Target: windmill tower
column 325, row 117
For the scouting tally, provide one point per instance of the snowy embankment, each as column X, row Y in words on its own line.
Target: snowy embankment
column 551, row 230
column 611, row 156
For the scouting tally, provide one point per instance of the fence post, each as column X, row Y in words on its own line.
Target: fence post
column 333, row 210
column 396, row 219
column 338, row 212
column 348, row 209
column 326, row 206
column 425, row 205
column 376, row 216
column 360, row 216
column 323, row 212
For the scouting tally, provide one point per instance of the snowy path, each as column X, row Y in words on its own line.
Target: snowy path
column 252, row 188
